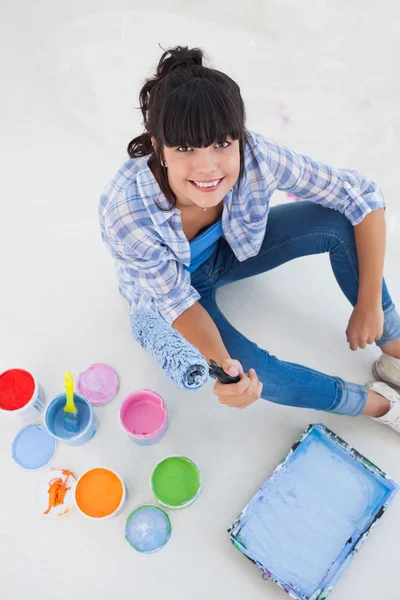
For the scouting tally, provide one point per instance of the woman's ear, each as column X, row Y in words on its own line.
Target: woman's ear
column 153, row 142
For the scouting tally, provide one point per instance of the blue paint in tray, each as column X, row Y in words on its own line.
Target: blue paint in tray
column 309, row 518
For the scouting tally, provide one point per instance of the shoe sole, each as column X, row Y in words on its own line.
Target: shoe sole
column 376, row 374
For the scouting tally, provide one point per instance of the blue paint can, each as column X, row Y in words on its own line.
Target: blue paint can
column 148, row 529
column 54, row 421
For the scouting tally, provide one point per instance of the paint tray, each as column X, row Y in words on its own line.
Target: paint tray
column 307, row 521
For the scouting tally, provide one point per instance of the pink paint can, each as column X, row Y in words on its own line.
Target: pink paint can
column 143, row 416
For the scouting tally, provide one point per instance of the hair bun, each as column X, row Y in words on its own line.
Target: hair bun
column 180, row 56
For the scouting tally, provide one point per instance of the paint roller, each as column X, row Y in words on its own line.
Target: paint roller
column 180, row 361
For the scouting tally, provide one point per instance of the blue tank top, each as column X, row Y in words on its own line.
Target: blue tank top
column 203, row 245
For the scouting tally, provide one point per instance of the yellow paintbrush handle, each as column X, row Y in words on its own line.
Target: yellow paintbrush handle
column 69, row 391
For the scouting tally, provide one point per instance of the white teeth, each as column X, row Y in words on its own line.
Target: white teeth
column 211, row 184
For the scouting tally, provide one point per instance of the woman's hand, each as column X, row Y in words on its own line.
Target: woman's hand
column 241, row 394
column 365, row 325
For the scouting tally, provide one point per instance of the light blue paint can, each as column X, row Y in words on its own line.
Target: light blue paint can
column 148, row 529
column 54, row 421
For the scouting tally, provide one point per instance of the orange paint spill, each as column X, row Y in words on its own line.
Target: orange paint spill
column 99, row 493
column 57, row 490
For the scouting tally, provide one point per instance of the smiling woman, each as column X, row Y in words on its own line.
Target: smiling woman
column 190, row 212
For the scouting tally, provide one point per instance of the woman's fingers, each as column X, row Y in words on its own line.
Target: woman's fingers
column 241, row 394
column 232, row 366
column 255, row 397
column 362, row 342
column 231, row 390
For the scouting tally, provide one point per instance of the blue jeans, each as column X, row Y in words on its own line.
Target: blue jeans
column 293, row 230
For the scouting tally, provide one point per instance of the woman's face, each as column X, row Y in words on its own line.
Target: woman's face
column 193, row 172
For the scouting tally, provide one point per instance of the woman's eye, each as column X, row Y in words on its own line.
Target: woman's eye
column 186, row 148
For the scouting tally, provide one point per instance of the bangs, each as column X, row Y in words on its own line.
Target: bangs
column 200, row 113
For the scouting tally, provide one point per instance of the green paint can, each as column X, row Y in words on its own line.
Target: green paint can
column 176, row 482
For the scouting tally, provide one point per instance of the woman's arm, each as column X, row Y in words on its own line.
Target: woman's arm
column 366, row 322
column 344, row 190
column 196, row 325
column 370, row 237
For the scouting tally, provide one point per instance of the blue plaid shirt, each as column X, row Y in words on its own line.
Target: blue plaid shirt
column 151, row 250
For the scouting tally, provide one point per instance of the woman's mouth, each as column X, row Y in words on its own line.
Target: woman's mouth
column 209, row 186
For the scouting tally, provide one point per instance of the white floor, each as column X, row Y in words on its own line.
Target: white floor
column 321, row 77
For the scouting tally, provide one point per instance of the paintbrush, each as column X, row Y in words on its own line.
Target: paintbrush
column 71, row 415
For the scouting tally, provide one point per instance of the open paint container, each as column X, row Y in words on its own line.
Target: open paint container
column 33, row 447
column 176, row 482
column 100, row 493
column 143, row 416
column 307, row 521
column 55, row 493
column 20, row 394
column 54, row 421
column 148, row 529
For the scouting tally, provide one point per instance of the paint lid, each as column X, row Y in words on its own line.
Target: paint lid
column 176, row 482
column 55, row 493
column 17, row 387
column 33, row 447
column 148, row 529
column 99, row 383
column 99, row 493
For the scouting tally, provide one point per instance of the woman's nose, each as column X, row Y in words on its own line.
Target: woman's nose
column 206, row 162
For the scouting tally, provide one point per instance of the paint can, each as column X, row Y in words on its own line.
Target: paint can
column 148, row 529
column 54, row 421
column 20, row 394
column 99, row 383
column 100, row 493
column 55, row 493
column 176, row 482
column 143, row 415
column 33, row 447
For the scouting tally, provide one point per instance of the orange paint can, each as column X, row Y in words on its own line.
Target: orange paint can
column 100, row 493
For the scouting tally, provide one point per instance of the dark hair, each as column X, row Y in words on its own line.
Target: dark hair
column 186, row 103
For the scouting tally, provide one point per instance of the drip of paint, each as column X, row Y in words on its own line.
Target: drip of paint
column 148, row 529
column 176, row 481
column 33, row 447
column 48, row 495
column 99, row 493
column 16, row 389
column 57, row 490
column 295, row 198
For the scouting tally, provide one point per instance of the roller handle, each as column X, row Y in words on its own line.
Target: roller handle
column 221, row 375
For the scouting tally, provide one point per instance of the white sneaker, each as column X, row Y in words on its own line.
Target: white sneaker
column 392, row 417
column 387, row 368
